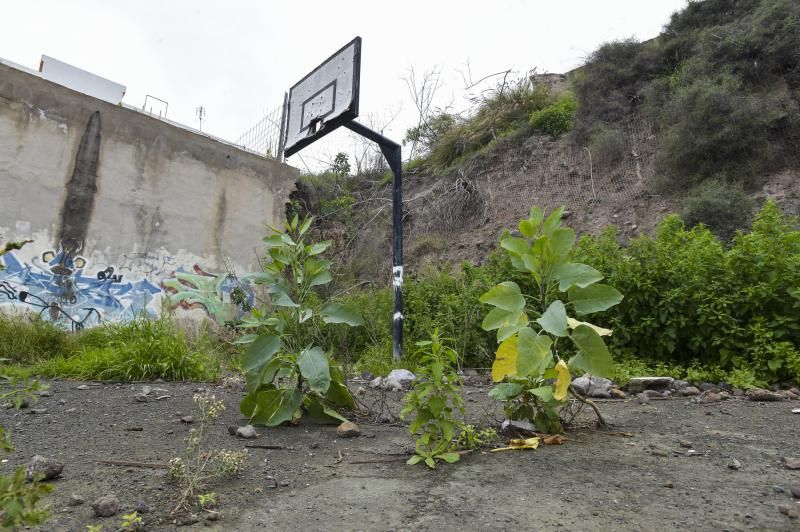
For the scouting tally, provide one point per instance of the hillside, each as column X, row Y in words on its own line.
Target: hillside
column 703, row 120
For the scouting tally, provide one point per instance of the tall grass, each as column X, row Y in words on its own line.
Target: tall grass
column 140, row 349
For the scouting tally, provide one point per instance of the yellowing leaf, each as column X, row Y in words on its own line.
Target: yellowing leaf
column 562, row 381
column 505, row 362
column 572, row 323
column 553, row 439
column 519, row 444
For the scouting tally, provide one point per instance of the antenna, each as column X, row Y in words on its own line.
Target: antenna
column 200, row 112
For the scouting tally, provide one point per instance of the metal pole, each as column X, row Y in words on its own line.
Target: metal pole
column 393, row 154
column 282, row 132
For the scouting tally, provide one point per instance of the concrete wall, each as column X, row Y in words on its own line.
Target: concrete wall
column 124, row 209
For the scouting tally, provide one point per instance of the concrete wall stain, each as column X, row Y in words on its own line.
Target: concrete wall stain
column 76, row 212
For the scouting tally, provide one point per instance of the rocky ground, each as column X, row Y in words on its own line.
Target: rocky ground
column 716, row 461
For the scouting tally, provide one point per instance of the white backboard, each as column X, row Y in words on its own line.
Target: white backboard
column 325, row 99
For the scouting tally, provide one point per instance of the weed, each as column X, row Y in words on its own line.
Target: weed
column 200, row 466
column 132, row 522
column 555, row 119
column 432, row 401
column 472, row 437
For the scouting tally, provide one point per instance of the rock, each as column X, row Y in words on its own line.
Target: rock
column 187, row 419
column 140, row 398
column 679, row 385
column 639, row 384
column 248, row 432
column 788, row 511
column 616, row 393
column 361, row 390
column 348, row 429
column 106, row 506
column 686, row 444
column 734, row 464
column 778, row 489
column 795, row 391
column 162, row 397
column 707, row 386
column 75, row 500
column 512, row 426
column 655, row 394
column 669, row 484
column 284, row 483
column 788, row 394
column 589, row 386
column 689, row 391
column 188, row 520
column 790, row 463
column 48, row 467
column 141, row 507
column 146, row 390
column 759, row 394
column 710, row 397
column 231, row 430
column 659, row 452
column 82, row 387
column 795, row 410
column 376, row 382
column 44, row 393
column 38, row 411
column 643, row 398
column 724, row 396
column 399, row 377
column 738, row 392
column 794, row 488
column 212, row 516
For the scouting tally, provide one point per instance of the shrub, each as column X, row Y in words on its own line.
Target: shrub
column 722, row 207
column 607, row 145
column 28, row 338
column 556, row 118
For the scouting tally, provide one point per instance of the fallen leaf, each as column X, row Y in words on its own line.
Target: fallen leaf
column 553, row 439
column 519, row 444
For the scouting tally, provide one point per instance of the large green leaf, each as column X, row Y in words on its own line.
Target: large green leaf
column 263, row 375
column 506, row 296
column 319, row 412
column 319, row 247
column 575, row 274
column 561, row 241
column 505, row 391
column 533, row 352
column 321, row 278
column 260, row 352
column 276, row 406
column 594, row 298
column 545, row 393
column 336, row 313
column 338, row 392
column 554, row 320
column 593, row 356
column 518, row 246
column 553, row 221
column 314, row 368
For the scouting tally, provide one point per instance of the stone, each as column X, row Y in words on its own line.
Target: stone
column 795, row 410
column 734, row 464
column 616, row 393
column 686, row 444
column 75, row 500
column 361, row 390
column 44, row 393
column 401, row 378
column 679, row 385
column 513, row 426
column 689, row 391
column 738, row 392
column 248, row 432
column 659, row 452
column 655, row 394
column 639, row 384
column 106, row 506
column 643, row 398
column 38, row 411
column 794, row 488
column 790, row 463
column 707, row 386
column 788, row 511
column 376, row 382
column 188, row 520
column 711, row 397
column 47, row 467
column 590, row 386
column 759, row 394
column 146, row 390
column 187, row 419
column 82, row 387
column 788, row 394
column 141, row 507
column 724, row 396
column 140, row 398
column 669, row 484
column 348, row 429
column 284, row 483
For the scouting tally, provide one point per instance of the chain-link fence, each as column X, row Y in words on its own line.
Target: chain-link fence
column 265, row 137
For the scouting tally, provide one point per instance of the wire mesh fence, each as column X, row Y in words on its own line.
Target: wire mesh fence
column 264, row 138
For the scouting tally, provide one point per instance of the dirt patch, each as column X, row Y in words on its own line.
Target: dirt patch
column 647, row 481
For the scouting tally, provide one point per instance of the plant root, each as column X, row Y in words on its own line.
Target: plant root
column 601, row 422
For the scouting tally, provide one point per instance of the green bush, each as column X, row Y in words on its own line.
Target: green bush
column 556, row 118
column 689, row 298
column 721, row 206
column 607, row 145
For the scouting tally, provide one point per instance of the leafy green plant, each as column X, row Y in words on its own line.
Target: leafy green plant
column 472, row 437
column 557, row 118
column 285, row 371
column 132, row 522
column 201, row 465
column 20, row 499
column 207, row 500
column 723, row 207
column 530, row 327
column 433, row 401
column 94, row 528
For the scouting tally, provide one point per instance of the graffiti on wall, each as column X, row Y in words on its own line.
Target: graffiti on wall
column 61, row 290
column 224, row 296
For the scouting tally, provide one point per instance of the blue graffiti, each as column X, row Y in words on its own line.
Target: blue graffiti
column 63, row 293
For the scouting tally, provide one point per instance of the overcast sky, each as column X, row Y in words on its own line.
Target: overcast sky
column 236, row 58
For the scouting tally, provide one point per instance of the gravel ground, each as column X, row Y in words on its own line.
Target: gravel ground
column 661, row 466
